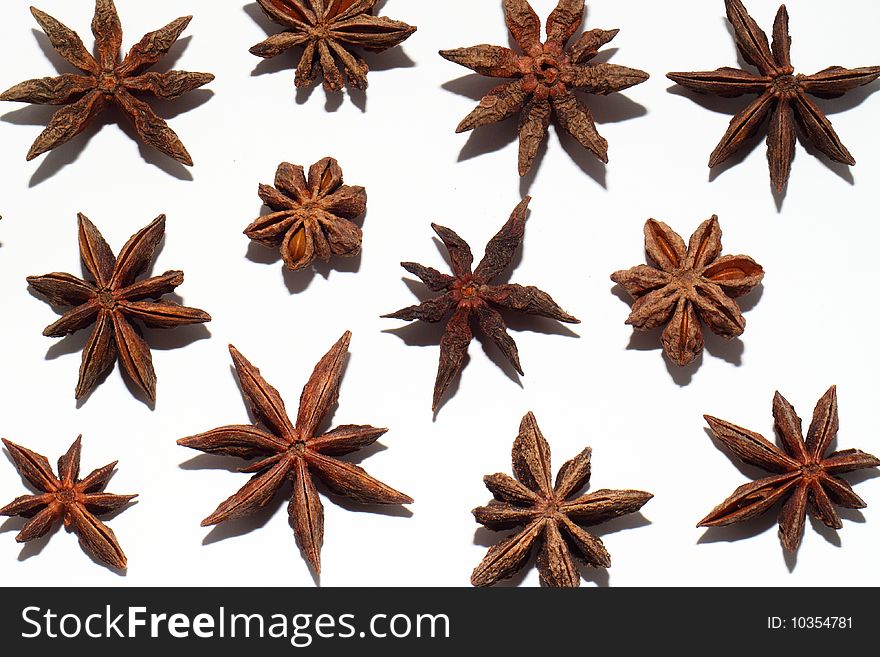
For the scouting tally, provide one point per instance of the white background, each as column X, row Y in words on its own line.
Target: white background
column 811, row 325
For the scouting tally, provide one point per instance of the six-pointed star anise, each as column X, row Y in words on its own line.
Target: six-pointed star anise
column 311, row 218
column 68, row 498
column 328, row 30
column 687, row 285
column 547, row 513
column 803, row 474
column 107, row 81
column 113, row 301
column 782, row 95
column 469, row 296
column 295, row 452
column 545, row 78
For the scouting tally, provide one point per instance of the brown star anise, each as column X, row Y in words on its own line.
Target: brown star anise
column 68, row 498
column 687, row 285
column 781, row 94
column 546, row 514
column 469, row 296
column 295, row 452
column 545, row 78
column 311, row 218
column 107, row 81
column 803, row 475
column 113, row 301
column 328, row 30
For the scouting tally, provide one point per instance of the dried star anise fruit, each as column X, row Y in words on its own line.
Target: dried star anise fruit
column 328, row 30
column 547, row 513
column 782, row 95
column 802, row 473
column 107, row 81
column 545, row 78
column 686, row 285
column 114, row 301
column 68, row 498
column 295, row 452
column 469, row 296
column 311, row 218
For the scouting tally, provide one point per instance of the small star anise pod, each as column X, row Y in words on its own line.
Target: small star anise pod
column 311, row 218
column 469, row 296
column 782, row 95
column 107, row 81
column 547, row 513
column 328, row 30
column 114, row 301
column 295, row 452
column 687, row 285
column 68, row 498
column 545, row 78
column 804, row 476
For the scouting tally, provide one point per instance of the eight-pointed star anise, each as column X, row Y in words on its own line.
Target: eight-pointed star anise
column 107, row 81
column 545, row 78
column 311, row 218
column 802, row 473
column 782, row 95
column 328, row 30
column 687, row 285
column 469, row 296
column 295, row 452
column 113, row 301
column 547, row 513
column 68, row 498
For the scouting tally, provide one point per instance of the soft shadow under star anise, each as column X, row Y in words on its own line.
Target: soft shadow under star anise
column 295, row 452
column 469, row 296
column 107, row 81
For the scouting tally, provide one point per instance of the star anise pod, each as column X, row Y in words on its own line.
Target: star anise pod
column 114, row 301
column 311, row 218
column 470, row 297
column 549, row 514
column 74, row 501
column 687, row 285
column 803, row 474
column 782, row 95
column 107, row 81
column 328, row 30
column 545, row 78
column 295, row 451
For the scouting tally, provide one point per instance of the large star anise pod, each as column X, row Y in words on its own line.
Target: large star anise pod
column 782, row 95
column 469, row 296
column 311, row 218
column 295, row 452
column 328, row 30
column 107, row 81
column 68, row 498
column 547, row 513
column 545, row 78
column 687, row 285
column 114, row 302
column 803, row 474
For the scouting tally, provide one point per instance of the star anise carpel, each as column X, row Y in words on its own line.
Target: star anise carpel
column 311, row 218
column 469, row 297
column 114, row 302
column 548, row 514
column 75, row 502
column 108, row 80
column 783, row 96
column 545, row 77
column 686, row 285
column 328, row 32
column 295, row 451
column 804, row 475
